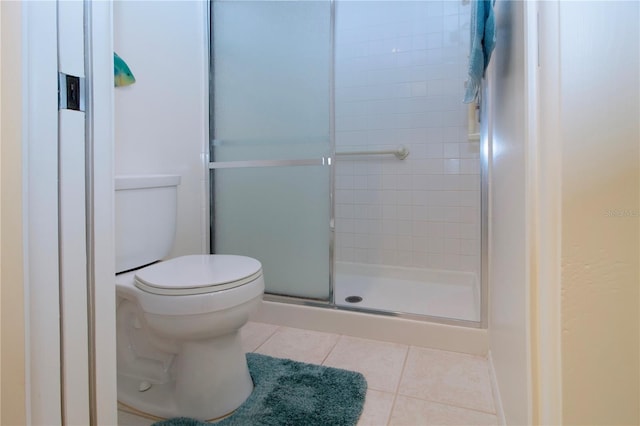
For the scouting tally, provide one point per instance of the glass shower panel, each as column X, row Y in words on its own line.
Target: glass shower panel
column 278, row 215
column 271, row 79
column 270, row 142
column 407, row 231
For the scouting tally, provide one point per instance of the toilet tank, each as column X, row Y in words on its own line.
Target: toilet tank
column 145, row 218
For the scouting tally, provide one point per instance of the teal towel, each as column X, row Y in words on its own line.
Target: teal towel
column 483, row 40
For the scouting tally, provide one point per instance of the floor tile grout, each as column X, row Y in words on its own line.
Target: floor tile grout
column 382, row 418
column 447, row 404
column 397, row 392
column 332, row 348
column 267, row 339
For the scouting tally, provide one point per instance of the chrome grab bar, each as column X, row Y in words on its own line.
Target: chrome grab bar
column 401, row 153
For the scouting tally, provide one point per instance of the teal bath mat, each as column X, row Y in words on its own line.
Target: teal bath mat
column 294, row 393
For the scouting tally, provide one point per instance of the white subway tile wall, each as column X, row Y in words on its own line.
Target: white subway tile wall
column 400, row 72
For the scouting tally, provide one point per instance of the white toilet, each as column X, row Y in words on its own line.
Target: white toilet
column 178, row 321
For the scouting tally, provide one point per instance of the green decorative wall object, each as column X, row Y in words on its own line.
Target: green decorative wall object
column 122, row 75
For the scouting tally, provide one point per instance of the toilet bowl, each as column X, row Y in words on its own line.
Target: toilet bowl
column 178, row 345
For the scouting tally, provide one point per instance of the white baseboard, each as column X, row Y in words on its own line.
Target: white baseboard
column 379, row 327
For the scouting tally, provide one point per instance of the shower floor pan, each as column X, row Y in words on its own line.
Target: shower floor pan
column 447, row 294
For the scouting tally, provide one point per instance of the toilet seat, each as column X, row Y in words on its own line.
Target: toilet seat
column 197, row 274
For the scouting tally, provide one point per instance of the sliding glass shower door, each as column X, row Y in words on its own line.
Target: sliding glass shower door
column 271, row 140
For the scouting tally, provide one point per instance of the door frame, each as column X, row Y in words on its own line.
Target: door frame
column 43, row 355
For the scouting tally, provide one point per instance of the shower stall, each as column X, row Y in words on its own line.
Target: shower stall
column 342, row 156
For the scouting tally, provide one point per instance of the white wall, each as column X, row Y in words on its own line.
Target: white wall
column 600, row 136
column 13, row 390
column 508, row 281
column 400, row 69
column 582, row 221
column 161, row 121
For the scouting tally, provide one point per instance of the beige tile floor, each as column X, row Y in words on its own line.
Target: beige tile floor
column 407, row 385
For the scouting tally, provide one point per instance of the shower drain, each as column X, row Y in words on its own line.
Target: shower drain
column 353, row 299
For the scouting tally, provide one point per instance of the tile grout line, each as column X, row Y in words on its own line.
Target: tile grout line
column 395, row 394
column 279, row 328
column 453, row 404
column 268, row 338
column 447, row 404
column 332, row 348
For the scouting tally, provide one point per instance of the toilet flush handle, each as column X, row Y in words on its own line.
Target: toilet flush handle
column 144, row 386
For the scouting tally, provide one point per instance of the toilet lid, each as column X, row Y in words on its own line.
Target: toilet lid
column 197, row 274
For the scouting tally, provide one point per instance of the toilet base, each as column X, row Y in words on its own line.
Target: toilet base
column 130, row 410
column 199, row 389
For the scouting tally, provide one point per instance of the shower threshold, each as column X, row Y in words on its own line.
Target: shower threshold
column 437, row 293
